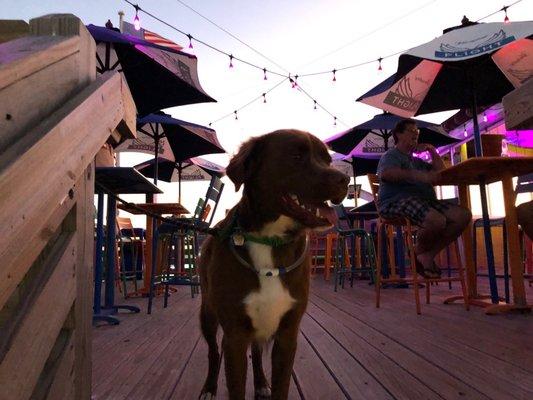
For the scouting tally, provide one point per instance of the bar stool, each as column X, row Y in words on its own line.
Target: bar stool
column 408, row 232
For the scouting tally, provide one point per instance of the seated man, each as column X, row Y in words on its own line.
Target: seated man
column 406, row 190
column 525, row 217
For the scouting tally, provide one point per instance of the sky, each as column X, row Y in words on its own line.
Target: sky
column 300, row 37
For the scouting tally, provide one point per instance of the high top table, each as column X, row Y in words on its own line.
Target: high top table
column 485, row 170
column 114, row 180
column 159, row 209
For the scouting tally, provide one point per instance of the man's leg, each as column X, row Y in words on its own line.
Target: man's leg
column 525, row 217
column 439, row 230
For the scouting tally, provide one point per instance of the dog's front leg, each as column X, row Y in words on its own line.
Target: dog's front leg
column 235, row 363
column 283, row 355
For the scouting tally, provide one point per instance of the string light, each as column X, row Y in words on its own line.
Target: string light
column 465, row 132
column 264, row 98
column 190, row 40
column 506, row 19
column 334, row 77
column 334, row 121
column 264, row 74
column 236, row 117
column 231, row 60
column 293, row 81
column 485, row 119
column 379, row 64
column 314, row 107
column 136, row 19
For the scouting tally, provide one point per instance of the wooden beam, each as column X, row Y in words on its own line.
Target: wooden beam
column 84, row 284
column 22, row 365
column 56, row 153
column 12, row 29
column 518, row 107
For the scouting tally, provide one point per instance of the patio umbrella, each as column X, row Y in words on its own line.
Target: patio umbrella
column 158, row 77
column 355, row 166
column 468, row 66
column 192, row 169
column 171, row 138
column 374, row 137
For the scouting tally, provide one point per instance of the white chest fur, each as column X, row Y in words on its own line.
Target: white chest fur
column 269, row 304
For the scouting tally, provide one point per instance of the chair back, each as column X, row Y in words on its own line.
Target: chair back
column 210, row 203
column 524, row 184
column 374, row 186
column 124, row 225
column 343, row 220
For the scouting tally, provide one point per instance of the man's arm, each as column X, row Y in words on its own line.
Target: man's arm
column 396, row 174
column 437, row 164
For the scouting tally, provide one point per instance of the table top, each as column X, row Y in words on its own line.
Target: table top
column 123, row 180
column 156, row 208
column 491, row 169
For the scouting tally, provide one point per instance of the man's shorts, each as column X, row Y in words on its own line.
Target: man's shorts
column 413, row 208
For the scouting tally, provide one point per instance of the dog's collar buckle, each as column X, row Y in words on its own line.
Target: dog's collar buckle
column 238, row 239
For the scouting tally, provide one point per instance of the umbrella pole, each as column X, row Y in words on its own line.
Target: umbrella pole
column 354, row 183
column 484, row 206
column 179, row 184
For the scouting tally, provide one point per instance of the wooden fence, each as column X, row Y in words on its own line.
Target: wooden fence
column 54, row 117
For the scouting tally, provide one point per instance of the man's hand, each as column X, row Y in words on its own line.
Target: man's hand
column 421, row 147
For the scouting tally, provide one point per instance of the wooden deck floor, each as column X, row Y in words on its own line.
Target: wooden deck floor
column 347, row 350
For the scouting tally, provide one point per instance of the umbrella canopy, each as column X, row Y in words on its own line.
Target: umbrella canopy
column 192, row 169
column 355, row 166
column 158, row 77
column 374, row 137
column 176, row 140
column 469, row 66
column 171, row 138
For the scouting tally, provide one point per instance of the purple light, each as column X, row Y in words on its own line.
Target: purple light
column 485, row 119
column 465, row 133
column 137, row 22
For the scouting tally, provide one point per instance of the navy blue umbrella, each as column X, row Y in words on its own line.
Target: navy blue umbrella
column 192, row 169
column 171, row 138
column 374, row 137
column 158, row 77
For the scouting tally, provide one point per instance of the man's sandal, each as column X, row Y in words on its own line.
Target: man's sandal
column 427, row 273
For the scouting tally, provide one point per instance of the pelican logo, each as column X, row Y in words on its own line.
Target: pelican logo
column 179, row 67
column 140, row 145
column 402, row 97
column 373, row 148
column 484, row 44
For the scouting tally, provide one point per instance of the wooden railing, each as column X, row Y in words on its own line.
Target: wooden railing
column 54, row 117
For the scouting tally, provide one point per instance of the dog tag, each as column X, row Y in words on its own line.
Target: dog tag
column 238, row 240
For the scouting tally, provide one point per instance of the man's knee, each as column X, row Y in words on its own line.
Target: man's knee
column 524, row 212
column 434, row 221
column 460, row 215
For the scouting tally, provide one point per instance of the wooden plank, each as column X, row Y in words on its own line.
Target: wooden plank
column 130, row 360
column 351, row 374
column 467, row 372
column 84, row 194
column 23, row 363
column 13, row 29
column 62, row 386
column 518, row 107
column 394, row 366
column 74, row 134
column 166, row 372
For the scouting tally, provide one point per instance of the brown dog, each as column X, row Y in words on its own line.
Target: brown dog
column 255, row 274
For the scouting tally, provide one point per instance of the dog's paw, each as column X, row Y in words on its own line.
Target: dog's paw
column 262, row 393
column 206, row 396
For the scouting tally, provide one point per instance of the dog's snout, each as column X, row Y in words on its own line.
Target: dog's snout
column 338, row 178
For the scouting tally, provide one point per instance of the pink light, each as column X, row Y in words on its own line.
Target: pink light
column 137, row 22
column 485, row 119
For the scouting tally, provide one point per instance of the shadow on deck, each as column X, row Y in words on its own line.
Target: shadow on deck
column 347, row 350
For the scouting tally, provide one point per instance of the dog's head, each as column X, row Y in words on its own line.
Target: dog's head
column 288, row 172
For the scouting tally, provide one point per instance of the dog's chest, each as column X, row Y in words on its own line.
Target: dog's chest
column 269, row 304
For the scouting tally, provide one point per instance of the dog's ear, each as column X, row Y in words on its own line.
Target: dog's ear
column 242, row 164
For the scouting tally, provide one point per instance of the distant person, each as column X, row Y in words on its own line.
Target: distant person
column 525, row 217
column 406, row 190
